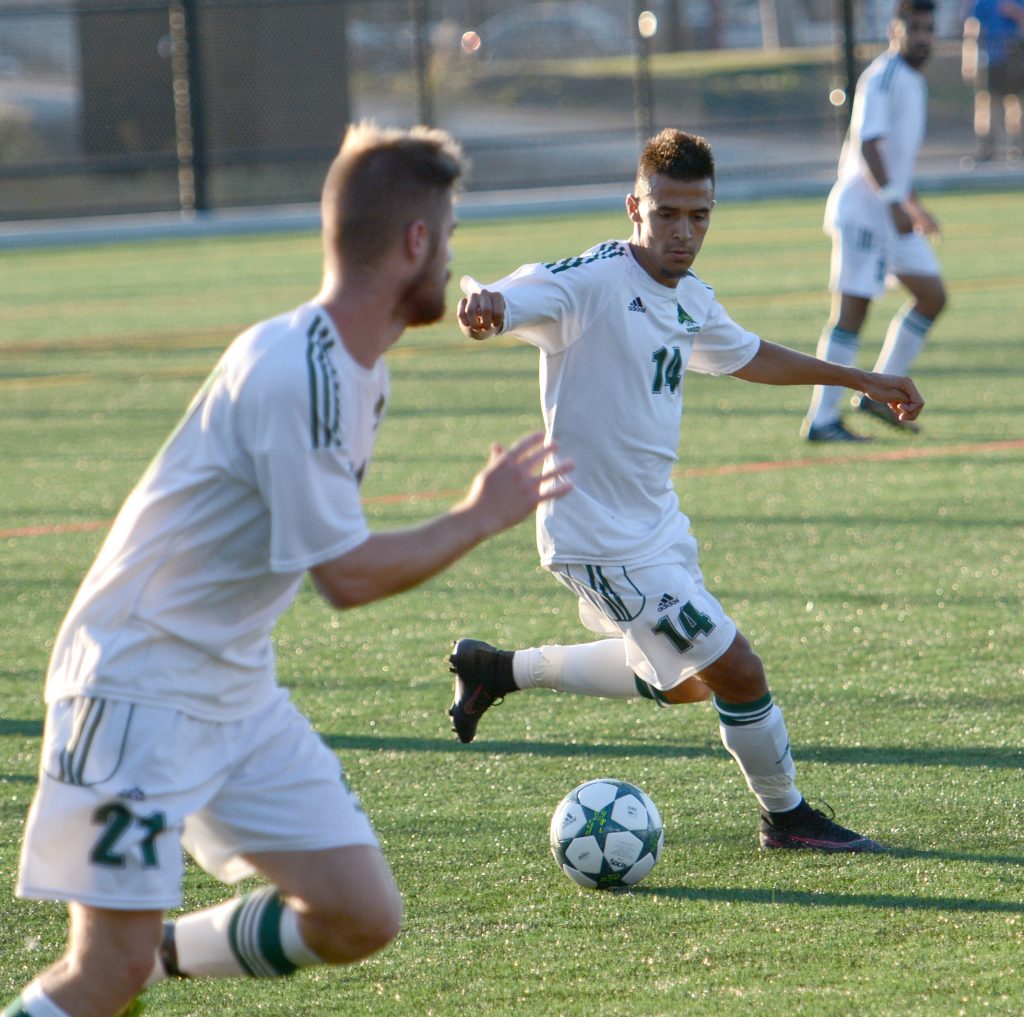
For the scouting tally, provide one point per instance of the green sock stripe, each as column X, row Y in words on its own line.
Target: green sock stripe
column 270, row 938
column 844, row 338
column 650, row 692
column 16, row 1009
column 254, row 935
column 917, row 322
column 741, row 714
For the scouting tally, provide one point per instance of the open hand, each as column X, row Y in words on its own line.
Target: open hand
column 514, row 482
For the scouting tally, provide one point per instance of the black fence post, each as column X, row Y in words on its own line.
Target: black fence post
column 421, row 59
column 849, row 58
column 643, row 92
column 189, row 110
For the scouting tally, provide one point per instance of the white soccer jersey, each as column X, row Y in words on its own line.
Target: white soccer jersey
column 890, row 104
column 259, row 482
column 614, row 346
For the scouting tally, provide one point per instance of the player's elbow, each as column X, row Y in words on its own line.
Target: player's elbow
column 342, row 591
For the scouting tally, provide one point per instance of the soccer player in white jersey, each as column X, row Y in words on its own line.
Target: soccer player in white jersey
column 880, row 231
column 165, row 724
column 617, row 328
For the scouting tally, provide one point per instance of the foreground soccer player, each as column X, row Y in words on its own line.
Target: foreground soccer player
column 617, row 327
column 878, row 226
column 165, row 723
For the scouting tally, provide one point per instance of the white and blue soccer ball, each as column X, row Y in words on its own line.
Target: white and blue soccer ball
column 606, row 834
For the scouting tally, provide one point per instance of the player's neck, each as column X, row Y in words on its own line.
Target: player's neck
column 365, row 331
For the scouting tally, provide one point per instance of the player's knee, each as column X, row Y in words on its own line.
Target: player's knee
column 120, row 947
column 749, row 673
column 124, row 970
column 137, row 969
column 349, row 936
column 738, row 676
column 931, row 302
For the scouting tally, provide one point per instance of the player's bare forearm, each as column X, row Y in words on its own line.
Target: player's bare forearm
column 503, row 493
column 779, row 365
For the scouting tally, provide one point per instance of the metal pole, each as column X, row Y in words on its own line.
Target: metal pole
column 849, row 57
column 189, row 121
column 643, row 92
column 421, row 58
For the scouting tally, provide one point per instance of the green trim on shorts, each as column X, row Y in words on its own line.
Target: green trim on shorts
column 648, row 691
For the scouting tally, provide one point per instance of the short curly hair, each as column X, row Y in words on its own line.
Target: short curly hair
column 676, row 154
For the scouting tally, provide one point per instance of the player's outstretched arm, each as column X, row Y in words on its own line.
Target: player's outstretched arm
column 481, row 313
column 512, row 484
column 779, row 365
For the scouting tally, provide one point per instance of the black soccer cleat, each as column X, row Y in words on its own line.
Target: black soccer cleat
column 884, row 412
column 836, row 431
column 811, row 830
column 483, row 675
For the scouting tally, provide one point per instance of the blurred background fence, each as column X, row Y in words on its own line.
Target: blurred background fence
column 123, row 106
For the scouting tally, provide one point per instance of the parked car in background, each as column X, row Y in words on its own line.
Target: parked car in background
column 549, row 31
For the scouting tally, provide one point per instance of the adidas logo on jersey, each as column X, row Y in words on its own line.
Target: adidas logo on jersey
column 636, row 304
column 667, row 601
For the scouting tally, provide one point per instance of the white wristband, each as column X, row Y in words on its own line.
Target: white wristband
column 890, row 194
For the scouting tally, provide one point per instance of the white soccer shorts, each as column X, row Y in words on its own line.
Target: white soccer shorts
column 123, row 787
column 866, row 259
column 672, row 627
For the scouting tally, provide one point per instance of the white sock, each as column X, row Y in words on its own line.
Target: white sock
column 256, row 936
column 839, row 347
column 756, row 737
column 903, row 341
column 586, row 669
column 36, row 1003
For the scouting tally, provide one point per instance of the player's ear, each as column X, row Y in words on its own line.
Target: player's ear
column 417, row 240
column 633, row 208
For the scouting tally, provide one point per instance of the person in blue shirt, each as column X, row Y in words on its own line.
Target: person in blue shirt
column 993, row 63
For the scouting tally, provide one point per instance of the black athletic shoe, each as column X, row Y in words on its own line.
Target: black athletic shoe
column 831, row 432
column 483, row 675
column 810, row 829
column 884, row 413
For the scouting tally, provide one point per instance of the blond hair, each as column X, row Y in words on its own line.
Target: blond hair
column 381, row 180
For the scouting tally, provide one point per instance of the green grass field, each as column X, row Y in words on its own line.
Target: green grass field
column 882, row 585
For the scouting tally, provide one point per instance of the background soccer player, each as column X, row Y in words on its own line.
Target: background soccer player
column 165, row 723
column 878, row 226
column 617, row 328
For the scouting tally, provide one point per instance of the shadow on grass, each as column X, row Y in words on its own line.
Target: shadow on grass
column 739, row 895
column 996, row 758
column 953, row 856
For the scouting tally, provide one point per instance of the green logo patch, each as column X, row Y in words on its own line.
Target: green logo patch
column 685, row 320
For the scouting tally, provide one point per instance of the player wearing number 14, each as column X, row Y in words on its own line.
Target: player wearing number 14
column 617, row 328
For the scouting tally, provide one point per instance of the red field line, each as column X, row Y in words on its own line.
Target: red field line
column 727, row 469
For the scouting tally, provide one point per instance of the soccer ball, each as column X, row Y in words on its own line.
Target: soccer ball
column 606, row 834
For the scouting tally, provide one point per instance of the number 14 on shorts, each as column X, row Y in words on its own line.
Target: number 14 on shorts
column 689, row 624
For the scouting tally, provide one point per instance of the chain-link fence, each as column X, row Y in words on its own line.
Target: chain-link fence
column 131, row 105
